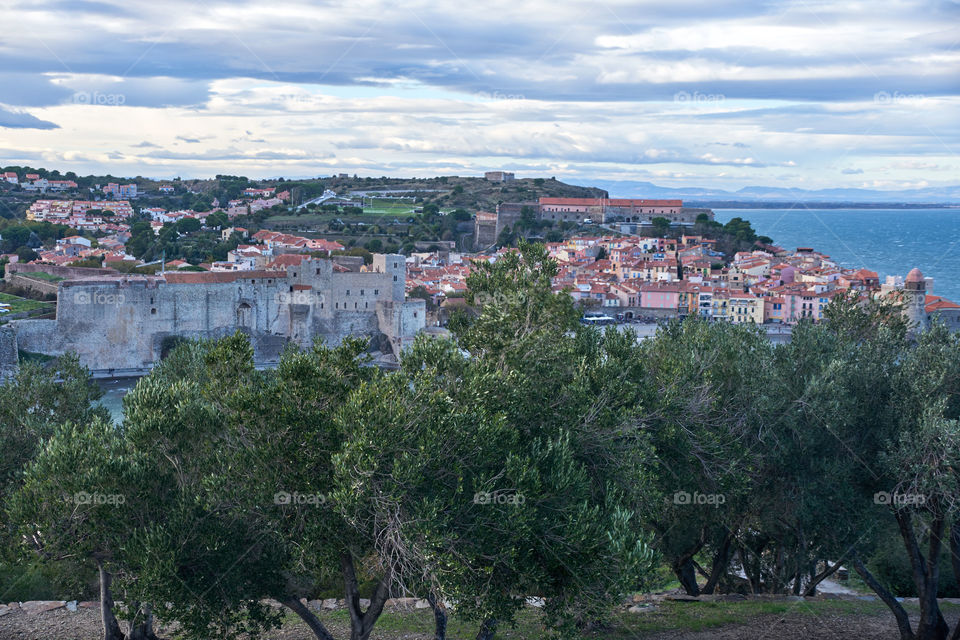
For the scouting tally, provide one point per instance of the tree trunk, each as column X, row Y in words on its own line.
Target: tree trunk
column 487, row 629
column 687, row 575
column 903, row 620
column 362, row 622
column 926, row 572
column 752, row 578
column 141, row 626
column 932, row 625
column 823, row 575
column 439, row 617
column 111, row 628
column 293, row 603
column 720, row 562
column 955, row 563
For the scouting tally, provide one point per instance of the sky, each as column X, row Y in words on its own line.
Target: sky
column 720, row 93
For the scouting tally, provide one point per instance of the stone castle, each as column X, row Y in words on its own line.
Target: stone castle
column 121, row 324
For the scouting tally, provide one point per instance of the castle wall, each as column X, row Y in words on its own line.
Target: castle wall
column 33, row 284
column 9, row 357
column 122, row 323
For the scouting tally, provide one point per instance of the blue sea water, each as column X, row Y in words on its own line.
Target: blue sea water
column 888, row 241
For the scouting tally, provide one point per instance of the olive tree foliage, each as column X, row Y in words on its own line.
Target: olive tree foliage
column 505, row 463
column 81, row 498
column 201, row 554
column 704, row 389
column 34, row 403
column 917, row 471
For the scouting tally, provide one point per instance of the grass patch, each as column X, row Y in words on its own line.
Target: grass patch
column 18, row 305
column 42, row 275
column 30, row 356
column 699, row 616
column 667, row 617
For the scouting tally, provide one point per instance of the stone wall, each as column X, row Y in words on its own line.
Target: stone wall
column 122, row 323
column 9, row 356
column 33, row 284
column 63, row 272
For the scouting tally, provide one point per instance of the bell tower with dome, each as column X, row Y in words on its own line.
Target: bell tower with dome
column 914, row 297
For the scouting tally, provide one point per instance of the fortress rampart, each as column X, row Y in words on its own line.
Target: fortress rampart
column 127, row 322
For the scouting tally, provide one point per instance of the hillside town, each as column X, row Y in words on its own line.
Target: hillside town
column 619, row 273
column 635, row 278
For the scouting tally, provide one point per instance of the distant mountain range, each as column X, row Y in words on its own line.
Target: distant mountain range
column 928, row 195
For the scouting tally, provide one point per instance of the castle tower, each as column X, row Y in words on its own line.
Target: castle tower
column 914, row 297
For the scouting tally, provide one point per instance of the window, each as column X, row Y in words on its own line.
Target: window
column 348, row 292
column 361, row 292
column 394, row 278
column 153, row 312
column 376, row 292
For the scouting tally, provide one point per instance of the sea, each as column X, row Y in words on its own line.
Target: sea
column 888, row 241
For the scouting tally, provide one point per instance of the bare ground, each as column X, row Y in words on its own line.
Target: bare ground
column 84, row 624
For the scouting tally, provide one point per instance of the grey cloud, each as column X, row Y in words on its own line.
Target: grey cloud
column 23, row 120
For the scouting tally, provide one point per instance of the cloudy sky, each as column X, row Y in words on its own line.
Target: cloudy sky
column 718, row 93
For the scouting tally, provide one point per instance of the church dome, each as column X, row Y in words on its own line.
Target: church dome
column 915, row 275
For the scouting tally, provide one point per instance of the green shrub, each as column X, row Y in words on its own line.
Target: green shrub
column 890, row 565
